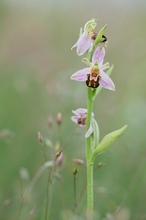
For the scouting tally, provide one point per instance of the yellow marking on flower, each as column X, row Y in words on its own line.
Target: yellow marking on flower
column 95, row 71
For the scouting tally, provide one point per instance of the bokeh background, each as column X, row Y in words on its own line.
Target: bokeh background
column 36, row 63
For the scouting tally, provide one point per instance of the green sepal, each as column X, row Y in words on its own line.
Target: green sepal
column 95, row 92
column 99, row 38
column 107, row 141
column 95, row 134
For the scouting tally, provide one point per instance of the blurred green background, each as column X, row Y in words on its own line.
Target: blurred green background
column 36, row 63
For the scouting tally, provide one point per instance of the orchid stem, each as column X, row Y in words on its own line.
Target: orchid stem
column 88, row 155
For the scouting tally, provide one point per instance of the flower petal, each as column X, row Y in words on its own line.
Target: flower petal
column 87, row 62
column 75, row 45
column 91, row 46
column 74, row 119
column 106, row 81
column 89, row 132
column 98, row 55
column 105, row 66
column 83, row 43
column 81, row 75
column 80, row 111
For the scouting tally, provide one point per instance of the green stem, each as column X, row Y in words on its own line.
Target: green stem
column 88, row 155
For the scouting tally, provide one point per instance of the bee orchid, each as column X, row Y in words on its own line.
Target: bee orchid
column 79, row 118
column 94, row 75
column 86, row 39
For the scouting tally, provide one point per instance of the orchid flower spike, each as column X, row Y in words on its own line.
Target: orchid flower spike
column 86, row 39
column 94, row 75
column 79, row 118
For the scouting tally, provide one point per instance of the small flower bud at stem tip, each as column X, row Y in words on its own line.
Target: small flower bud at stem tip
column 99, row 165
column 40, row 137
column 59, row 159
column 59, row 118
column 78, row 161
column 50, row 122
column 75, row 171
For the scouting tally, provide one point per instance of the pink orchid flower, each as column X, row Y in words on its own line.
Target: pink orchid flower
column 80, row 119
column 86, row 39
column 94, row 75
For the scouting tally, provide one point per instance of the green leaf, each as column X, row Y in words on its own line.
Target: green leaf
column 95, row 92
column 107, row 141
